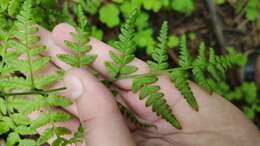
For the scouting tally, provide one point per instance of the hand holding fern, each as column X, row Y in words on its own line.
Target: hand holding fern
column 105, row 126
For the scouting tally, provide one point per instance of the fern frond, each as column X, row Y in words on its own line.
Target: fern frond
column 26, row 37
column 185, row 59
column 14, row 6
column 126, row 45
column 130, row 116
column 180, row 79
column 154, row 98
column 199, row 66
column 80, row 46
column 160, row 54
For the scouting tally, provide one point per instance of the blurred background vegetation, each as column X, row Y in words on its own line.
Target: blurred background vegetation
column 221, row 24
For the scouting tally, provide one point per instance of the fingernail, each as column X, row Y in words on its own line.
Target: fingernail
column 74, row 86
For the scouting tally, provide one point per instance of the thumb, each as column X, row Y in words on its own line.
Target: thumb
column 97, row 110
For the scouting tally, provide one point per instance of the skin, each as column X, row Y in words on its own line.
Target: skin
column 217, row 123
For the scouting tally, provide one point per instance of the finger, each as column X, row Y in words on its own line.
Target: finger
column 97, row 110
column 52, row 49
column 62, row 32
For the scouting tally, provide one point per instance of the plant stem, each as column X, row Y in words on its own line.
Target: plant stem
column 155, row 73
column 33, row 92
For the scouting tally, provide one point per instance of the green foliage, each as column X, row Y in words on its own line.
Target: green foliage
column 183, row 6
column 44, row 12
column 215, row 68
column 251, row 10
column 23, row 90
column 15, row 107
column 109, row 14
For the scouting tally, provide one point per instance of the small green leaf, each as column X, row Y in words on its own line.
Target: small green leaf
column 62, row 131
column 60, row 116
column 153, row 98
column 23, row 130
column 12, row 139
column 109, row 14
column 154, row 5
column 54, row 100
column 20, row 119
column 115, row 58
column 3, row 108
column 41, row 120
column 138, row 83
column 4, row 127
column 27, row 142
column 68, row 59
column 87, row 59
column 128, row 69
column 112, row 69
column 148, row 90
column 183, row 6
column 173, row 41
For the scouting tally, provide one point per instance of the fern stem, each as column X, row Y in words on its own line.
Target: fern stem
column 33, row 92
column 162, row 72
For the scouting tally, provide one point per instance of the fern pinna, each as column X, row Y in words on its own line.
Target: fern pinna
column 23, row 92
column 81, row 45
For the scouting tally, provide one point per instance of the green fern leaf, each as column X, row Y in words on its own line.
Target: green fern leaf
column 160, row 54
column 48, row 79
column 60, row 116
column 185, row 59
column 80, row 46
column 199, row 65
column 148, row 90
column 129, row 115
column 62, row 131
column 24, row 130
column 154, row 99
column 58, row 101
column 139, row 83
column 180, row 78
column 69, row 59
column 113, row 69
column 20, row 119
column 126, row 45
column 43, row 119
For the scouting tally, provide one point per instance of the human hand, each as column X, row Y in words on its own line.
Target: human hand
column 218, row 122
